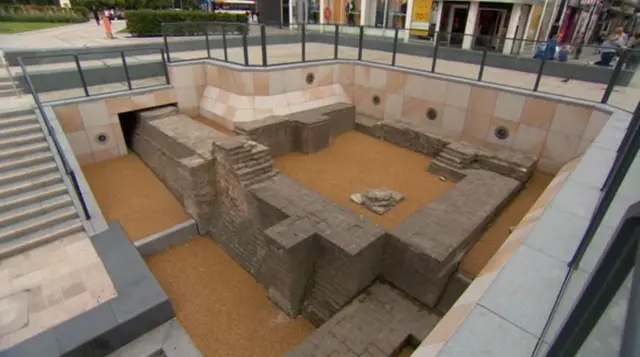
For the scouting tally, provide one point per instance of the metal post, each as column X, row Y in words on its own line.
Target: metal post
column 541, row 69
column 360, row 43
column 614, row 77
column 164, row 67
column 435, row 53
column 126, row 70
column 335, row 41
column 84, row 82
column 304, row 42
column 484, row 60
column 263, row 39
column 395, row 47
column 224, row 43
column 206, row 38
column 245, row 50
column 166, row 44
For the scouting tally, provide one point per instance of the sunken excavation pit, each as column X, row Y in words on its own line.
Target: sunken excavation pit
column 315, row 256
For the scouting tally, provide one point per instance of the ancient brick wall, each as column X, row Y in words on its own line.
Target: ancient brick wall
column 423, row 251
column 189, row 176
column 305, row 131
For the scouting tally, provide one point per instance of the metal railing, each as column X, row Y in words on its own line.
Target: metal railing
column 484, row 51
column 613, row 267
column 54, row 138
column 76, row 58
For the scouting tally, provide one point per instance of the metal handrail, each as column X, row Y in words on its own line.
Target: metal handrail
column 359, row 31
column 65, row 164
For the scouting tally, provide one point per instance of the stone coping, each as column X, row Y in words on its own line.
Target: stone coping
column 166, row 239
column 141, row 305
column 167, row 340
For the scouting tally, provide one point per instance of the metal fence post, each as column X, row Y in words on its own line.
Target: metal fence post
column 614, row 77
column 360, row 43
column 263, row 39
column 82, row 79
column 304, row 42
column 245, row 50
column 435, row 53
column 164, row 66
column 206, row 38
column 224, row 42
column 335, row 41
column 395, row 47
column 126, row 70
column 541, row 69
column 166, row 44
column 484, row 60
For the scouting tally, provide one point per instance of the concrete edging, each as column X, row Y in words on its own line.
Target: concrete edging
column 160, row 241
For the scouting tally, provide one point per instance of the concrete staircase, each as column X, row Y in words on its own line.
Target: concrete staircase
column 36, row 206
column 7, row 89
column 252, row 163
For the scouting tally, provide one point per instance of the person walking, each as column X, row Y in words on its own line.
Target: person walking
column 609, row 49
column 96, row 16
column 351, row 13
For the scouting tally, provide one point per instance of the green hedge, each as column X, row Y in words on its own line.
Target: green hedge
column 41, row 13
column 148, row 22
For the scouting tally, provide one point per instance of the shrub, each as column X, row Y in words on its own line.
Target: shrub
column 148, row 22
column 41, row 13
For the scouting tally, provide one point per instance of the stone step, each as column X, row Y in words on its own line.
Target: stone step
column 13, row 131
column 16, row 113
column 27, row 172
column 27, row 211
column 26, row 161
column 252, row 155
column 32, row 240
column 34, row 196
column 446, row 171
column 22, row 150
column 17, row 121
column 253, row 163
column 7, row 92
column 12, row 142
column 38, row 223
column 260, row 178
column 33, row 184
column 254, row 171
column 451, row 160
column 5, row 83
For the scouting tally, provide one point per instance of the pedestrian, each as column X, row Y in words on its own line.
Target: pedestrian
column 609, row 48
column 96, row 16
column 351, row 13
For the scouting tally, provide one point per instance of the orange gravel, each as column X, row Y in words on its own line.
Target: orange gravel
column 224, row 310
column 127, row 191
column 355, row 162
column 493, row 238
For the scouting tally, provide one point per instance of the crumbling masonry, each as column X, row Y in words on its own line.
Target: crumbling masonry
column 313, row 255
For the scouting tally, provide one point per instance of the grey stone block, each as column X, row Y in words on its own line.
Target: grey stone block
column 173, row 236
column 80, row 336
column 43, row 344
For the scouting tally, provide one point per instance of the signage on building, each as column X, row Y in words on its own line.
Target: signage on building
column 420, row 17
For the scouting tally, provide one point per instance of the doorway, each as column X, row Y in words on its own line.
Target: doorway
column 456, row 23
column 490, row 28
